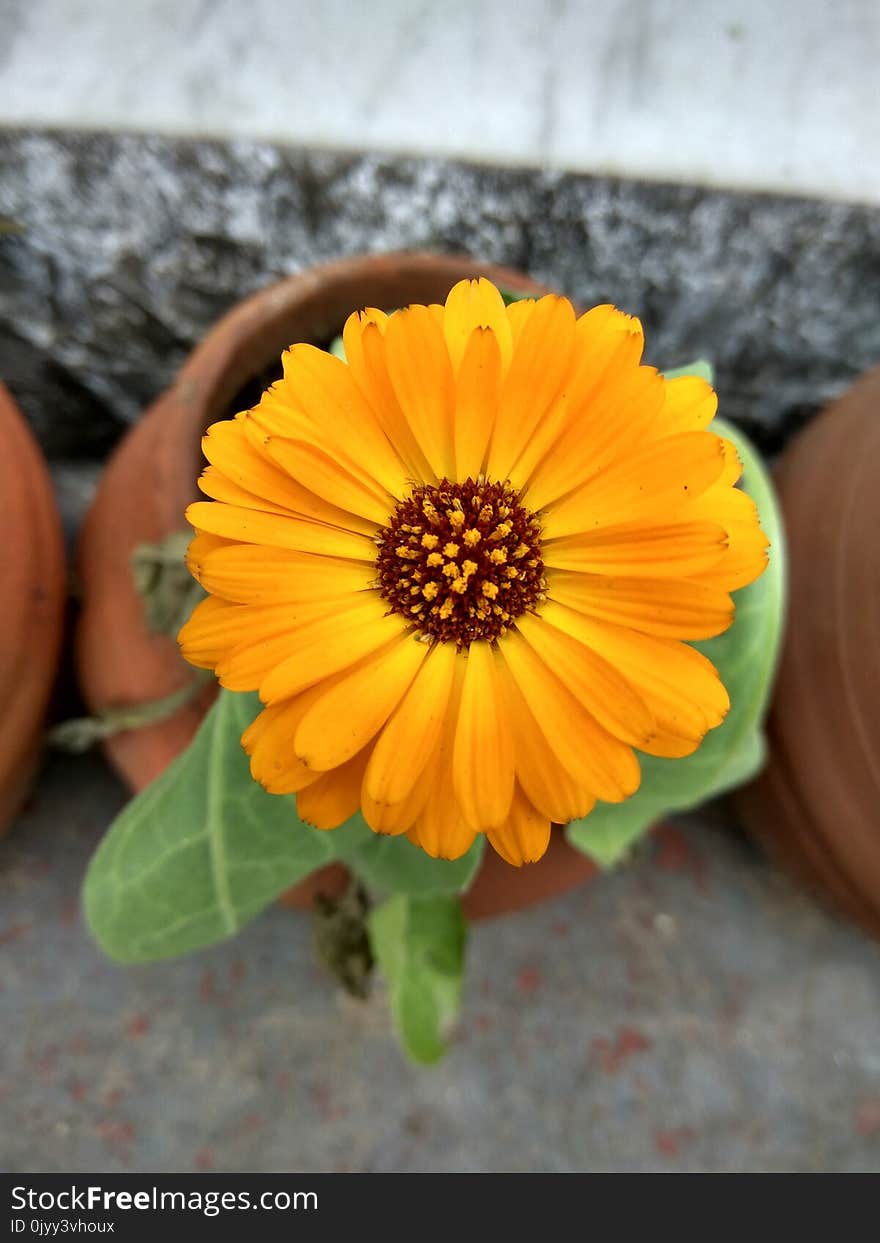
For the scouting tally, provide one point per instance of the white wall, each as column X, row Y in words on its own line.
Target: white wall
column 746, row 93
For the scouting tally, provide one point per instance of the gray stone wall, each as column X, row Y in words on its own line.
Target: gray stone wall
column 117, row 252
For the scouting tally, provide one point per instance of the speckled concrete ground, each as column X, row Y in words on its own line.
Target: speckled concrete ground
column 691, row 1012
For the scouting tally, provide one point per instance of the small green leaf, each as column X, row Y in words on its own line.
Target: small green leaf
column 395, row 865
column 168, row 591
column 199, row 852
column 509, row 296
column 700, row 367
column 745, row 657
column 419, row 944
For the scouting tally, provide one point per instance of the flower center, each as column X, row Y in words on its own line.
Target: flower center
column 461, row 561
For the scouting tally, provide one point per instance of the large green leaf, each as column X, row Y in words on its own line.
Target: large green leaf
column 204, row 849
column 745, row 657
column 199, row 852
column 419, row 944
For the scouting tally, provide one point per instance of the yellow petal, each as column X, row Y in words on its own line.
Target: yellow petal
column 243, row 461
column 395, row 818
column 746, row 555
column 364, row 340
column 277, row 531
column 648, row 661
column 545, row 781
column 335, row 797
column 226, row 446
column 353, row 335
column 421, row 376
column 538, row 370
column 352, row 710
column 198, row 550
column 329, row 479
column 473, row 304
column 442, row 830
column 617, row 421
column 518, row 315
column 214, row 483
column 269, row 743
column 732, row 464
column 524, row 836
column 607, row 341
column 608, row 344
column 744, row 560
column 651, row 480
column 477, row 395
column 690, row 405
column 483, row 758
column 252, row 574
column 274, row 420
column 215, row 627
column 680, row 687
column 247, row 664
column 270, row 643
column 594, row 682
column 330, row 644
column 302, row 500
column 669, row 607
column 603, row 765
column 641, row 548
column 321, row 386
column 408, row 741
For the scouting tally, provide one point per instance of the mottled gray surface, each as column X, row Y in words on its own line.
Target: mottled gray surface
column 130, row 247
column 690, row 1012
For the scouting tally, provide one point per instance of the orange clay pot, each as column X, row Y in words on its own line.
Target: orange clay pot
column 816, row 806
column 32, row 572
column 151, row 479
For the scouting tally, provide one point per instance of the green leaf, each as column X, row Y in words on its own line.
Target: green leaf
column 745, row 657
column 510, row 296
column 419, row 944
column 199, row 852
column 395, row 865
column 700, row 367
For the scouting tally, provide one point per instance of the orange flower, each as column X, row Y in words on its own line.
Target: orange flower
column 461, row 568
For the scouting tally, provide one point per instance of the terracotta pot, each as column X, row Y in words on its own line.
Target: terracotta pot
column 817, row 804
column 32, row 572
